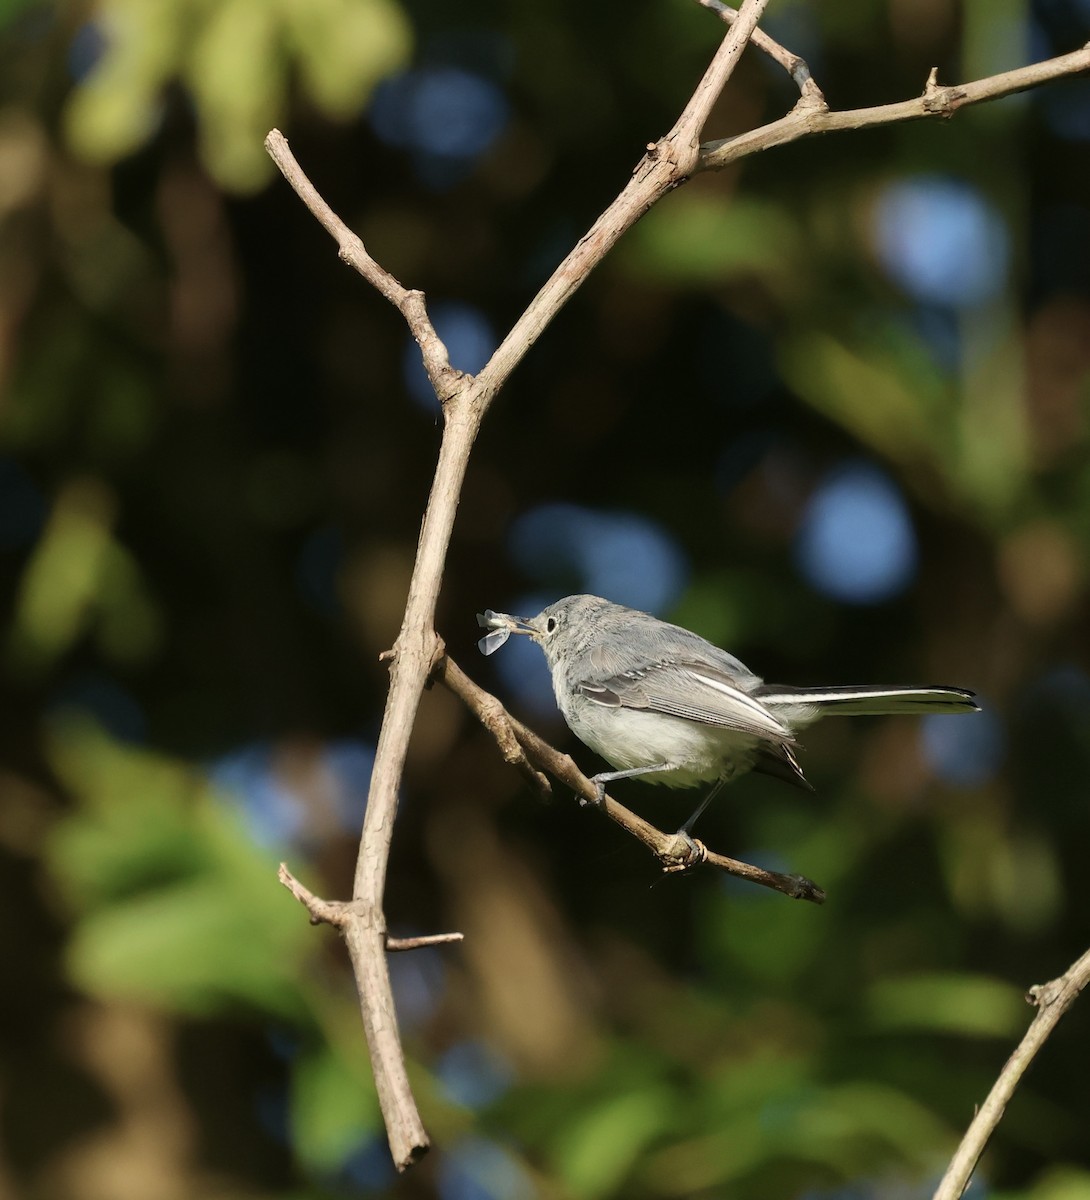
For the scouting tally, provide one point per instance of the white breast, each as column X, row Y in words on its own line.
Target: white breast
column 628, row 738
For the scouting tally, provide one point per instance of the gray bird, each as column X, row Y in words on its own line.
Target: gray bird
column 662, row 703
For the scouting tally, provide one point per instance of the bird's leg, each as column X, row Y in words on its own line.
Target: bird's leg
column 715, row 790
column 683, row 833
column 605, row 777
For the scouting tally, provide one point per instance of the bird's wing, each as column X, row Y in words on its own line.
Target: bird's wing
column 693, row 690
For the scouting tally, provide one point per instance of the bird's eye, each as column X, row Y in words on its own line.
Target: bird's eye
column 550, row 625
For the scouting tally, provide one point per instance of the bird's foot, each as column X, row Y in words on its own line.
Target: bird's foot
column 599, row 800
column 682, row 853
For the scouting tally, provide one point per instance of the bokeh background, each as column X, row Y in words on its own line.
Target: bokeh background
column 828, row 407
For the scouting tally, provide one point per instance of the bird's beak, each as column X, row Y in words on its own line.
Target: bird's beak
column 500, row 626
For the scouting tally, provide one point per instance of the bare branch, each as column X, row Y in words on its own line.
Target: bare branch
column 936, row 101
column 417, row 943
column 322, row 912
column 339, row 914
column 685, row 135
column 673, row 852
column 793, row 64
column 667, row 164
column 1052, row 1000
column 444, row 378
column 495, row 718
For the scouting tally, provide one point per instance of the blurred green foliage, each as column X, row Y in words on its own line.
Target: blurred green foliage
column 171, row 888
column 238, row 60
column 211, row 481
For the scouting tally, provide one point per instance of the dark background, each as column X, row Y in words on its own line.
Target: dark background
column 828, row 407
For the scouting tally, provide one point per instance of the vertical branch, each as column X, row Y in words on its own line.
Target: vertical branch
column 464, row 405
column 411, row 663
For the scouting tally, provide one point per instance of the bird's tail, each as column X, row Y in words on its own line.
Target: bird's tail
column 809, row 703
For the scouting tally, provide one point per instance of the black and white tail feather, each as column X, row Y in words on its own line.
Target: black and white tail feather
column 868, row 700
column 800, row 706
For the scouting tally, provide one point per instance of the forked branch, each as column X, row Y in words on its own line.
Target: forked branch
column 465, row 399
column 936, row 100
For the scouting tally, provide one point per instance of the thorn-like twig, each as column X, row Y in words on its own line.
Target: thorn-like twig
column 417, row 943
column 338, row 913
column 322, row 912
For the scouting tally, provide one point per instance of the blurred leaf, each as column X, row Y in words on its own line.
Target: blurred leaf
column 236, row 57
column 332, row 1107
column 192, row 946
column 135, row 824
column 116, row 107
column 865, row 396
column 1059, row 1182
column 176, row 905
column 129, row 627
column 80, row 577
column 64, row 577
column 751, row 928
column 345, row 47
column 948, row 1002
column 599, row 1148
column 993, row 870
column 733, row 607
column 771, row 941
column 698, row 237
column 847, row 1128
column 11, row 9
column 992, row 445
column 239, row 96
column 853, row 1126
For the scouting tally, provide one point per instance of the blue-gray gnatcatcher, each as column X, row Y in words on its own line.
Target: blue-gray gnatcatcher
column 660, row 702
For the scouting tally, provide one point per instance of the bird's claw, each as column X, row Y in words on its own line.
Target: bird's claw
column 599, row 800
column 682, row 853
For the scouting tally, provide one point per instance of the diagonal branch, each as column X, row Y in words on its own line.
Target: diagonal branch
column 1052, row 1000
column 685, row 134
column 465, row 399
column 936, row 101
column 674, row 853
column 791, row 62
column 665, row 166
column 410, row 303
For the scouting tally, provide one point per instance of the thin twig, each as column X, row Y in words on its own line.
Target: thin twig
column 410, row 303
column 792, row 63
column 936, row 101
column 1052, row 1000
column 339, row 914
column 465, row 400
column 322, row 912
column 685, row 135
column 416, row 943
column 673, row 852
